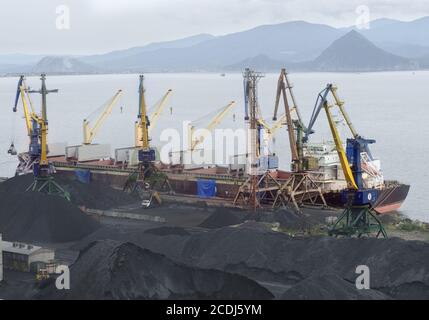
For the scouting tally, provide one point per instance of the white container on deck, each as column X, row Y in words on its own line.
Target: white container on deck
column 90, row 152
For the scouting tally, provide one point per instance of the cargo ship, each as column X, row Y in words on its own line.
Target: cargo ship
column 323, row 158
column 228, row 180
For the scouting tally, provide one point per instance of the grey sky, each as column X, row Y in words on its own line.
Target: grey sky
column 96, row 26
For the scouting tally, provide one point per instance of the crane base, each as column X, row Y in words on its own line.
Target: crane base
column 147, row 179
column 358, row 221
column 49, row 186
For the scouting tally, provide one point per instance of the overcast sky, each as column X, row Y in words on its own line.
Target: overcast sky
column 96, row 26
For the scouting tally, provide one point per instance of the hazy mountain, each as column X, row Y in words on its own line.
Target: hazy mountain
column 411, row 51
column 62, row 65
column 19, row 59
column 260, row 62
column 424, row 62
column 353, row 52
column 291, row 41
column 400, row 32
column 104, row 59
column 388, row 45
column 408, row 39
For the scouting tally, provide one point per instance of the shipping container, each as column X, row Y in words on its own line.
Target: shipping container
column 90, row 152
column 57, row 149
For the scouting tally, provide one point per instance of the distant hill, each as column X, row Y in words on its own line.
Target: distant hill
column 103, row 60
column 388, row 45
column 62, row 65
column 404, row 38
column 291, row 41
column 260, row 63
column 424, row 62
column 399, row 32
column 353, row 52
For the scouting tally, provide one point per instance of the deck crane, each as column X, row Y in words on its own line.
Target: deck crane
column 358, row 217
column 43, row 179
column 211, row 126
column 89, row 132
column 159, row 108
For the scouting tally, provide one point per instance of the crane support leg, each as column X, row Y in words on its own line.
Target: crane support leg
column 49, row 186
column 358, row 221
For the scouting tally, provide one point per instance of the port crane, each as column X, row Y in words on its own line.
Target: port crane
column 358, row 218
column 29, row 113
column 89, row 132
column 147, row 177
column 26, row 161
column 301, row 187
column 283, row 87
column 38, row 150
column 210, row 127
column 260, row 186
column 142, row 137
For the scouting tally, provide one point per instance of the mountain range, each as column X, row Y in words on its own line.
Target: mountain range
column 387, row 45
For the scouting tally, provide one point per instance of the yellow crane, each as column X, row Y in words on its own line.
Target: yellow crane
column 348, row 174
column 213, row 124
column 145, row 124
column 29, row 111
column 154, row 116
column 142, row 123
column 275, row 127
column 147, row 177
column 43, row 179
column 346, row 117
column 90, row 132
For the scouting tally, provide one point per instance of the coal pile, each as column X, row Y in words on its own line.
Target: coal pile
column 289, row 219
column 116, row 270
column 222, row 218
column 34, row 216
column 399, row 269
column 330, row 287
column 95, row 195
column 167, row 231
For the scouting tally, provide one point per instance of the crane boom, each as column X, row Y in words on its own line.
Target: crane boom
column 143, row 123
column 213, row 124
column 277, row 125
column 321, row 99
column 330, row 88
column 153, row 118
column 27, row 115
column 90, row 133
column 340, row 149
column 346, row 117
column 282, row 86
